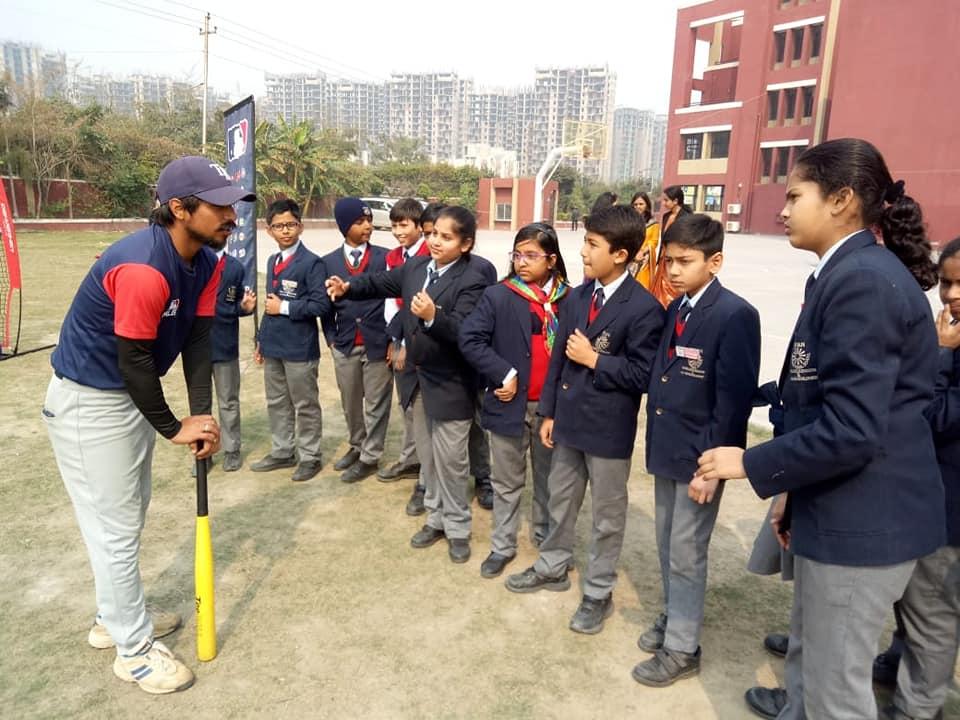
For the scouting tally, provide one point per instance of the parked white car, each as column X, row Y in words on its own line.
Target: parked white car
column 381, row 211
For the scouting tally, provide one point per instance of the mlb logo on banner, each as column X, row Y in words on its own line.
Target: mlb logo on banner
column 237, row 138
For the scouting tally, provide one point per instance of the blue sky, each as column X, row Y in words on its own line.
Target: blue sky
column 496, row 43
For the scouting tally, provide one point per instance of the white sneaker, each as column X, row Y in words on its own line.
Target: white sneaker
column 164, row 623
column 154, row 669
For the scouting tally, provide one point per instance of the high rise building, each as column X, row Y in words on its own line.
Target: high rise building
column 658, row 147
column 584, row 93
column 29, row 68
column 631, row 147
column 295, row 97
column 432, row 108
column 756, row 82
column 355, row 106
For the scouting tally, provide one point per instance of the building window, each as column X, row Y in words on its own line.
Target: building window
column 797, row 44
column 690, row 196
column 816, row 36
column 504, row 212
column 766, row 165
column 789, row 103
column 773, row 102
column 720, row 144
column 807, row 97
column 713, row 198
column 692, row 146
column 779, row 47
column 783, row 164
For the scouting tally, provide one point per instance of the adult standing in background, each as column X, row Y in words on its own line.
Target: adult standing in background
column 672, row 203
column 646, row 259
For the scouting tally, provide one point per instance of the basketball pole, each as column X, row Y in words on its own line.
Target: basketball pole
column 545, row 173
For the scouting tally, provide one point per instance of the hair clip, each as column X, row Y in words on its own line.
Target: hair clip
column 894, row 192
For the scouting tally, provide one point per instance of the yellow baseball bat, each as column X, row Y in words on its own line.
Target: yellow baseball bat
column 203, row 573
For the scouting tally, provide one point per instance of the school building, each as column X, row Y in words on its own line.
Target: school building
column 755, row 82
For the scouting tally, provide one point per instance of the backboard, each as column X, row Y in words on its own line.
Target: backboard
column 584, row 139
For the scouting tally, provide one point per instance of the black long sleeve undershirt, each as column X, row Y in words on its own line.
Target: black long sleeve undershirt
column 139, row 373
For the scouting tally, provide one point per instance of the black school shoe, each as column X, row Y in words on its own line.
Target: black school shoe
column 358, row 471
column 415, row 503
column 652, row 639
column 426, row 536
column 346, row 460
column 494, row 564
column 776, row 644
column 272, row 462
column 307, row 470
column 458, row 549
column 666, row 667
column 484, row 492
column 399, row 472
column 766, row 702
column 530, row 581
column 589, row 617
column 885, row 667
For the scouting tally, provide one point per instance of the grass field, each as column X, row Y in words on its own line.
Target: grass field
column 323, row 608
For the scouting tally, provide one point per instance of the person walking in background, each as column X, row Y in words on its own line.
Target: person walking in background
column 574, row 218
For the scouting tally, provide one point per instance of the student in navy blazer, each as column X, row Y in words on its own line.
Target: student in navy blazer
column 289, row 347
column 599, row 370
column 438, row 292
column 930, row 607
column 234, row 301
column 508, row 339
column 356, row 331
column 701, row 394
column 857, row 459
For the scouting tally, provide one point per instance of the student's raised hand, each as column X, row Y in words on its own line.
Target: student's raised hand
column 580, row 350
column 721, row 463
column 507, row 391
column 702, row 491
column 249, row 301
column 400, row 358
column 272, row 305
column 546, row 432
column 257, row 355
column 948, row 332
column 776, row 517
column 336, row 287
column 423, row 307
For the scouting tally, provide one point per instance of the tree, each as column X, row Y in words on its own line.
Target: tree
column 407, row 151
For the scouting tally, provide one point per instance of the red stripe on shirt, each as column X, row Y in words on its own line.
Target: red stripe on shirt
column 207, row 305
column 139, row 294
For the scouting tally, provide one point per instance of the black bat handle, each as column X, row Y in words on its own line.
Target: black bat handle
column 201, row 484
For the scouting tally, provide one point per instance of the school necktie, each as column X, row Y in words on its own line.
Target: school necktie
column 406, row 255
column 808, row 288
column 433, row 276
column 596, row 305
column 682, row 314
column 355, row 254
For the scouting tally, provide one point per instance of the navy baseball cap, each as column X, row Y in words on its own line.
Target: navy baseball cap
column 202, row 178
column 348, row 210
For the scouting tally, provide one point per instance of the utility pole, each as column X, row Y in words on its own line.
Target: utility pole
column 206, row 32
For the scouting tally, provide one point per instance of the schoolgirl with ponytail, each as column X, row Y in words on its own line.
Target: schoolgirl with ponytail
column 508, row 340
column 856, row 462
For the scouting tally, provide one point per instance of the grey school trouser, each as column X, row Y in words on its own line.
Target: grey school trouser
column 509, row 456
column 835, row 625
column 444, row 471
column 104, row 446
column 366, row 387
column 293, row 404
column 226, row 380
column 569, row 473
column 930, row 610
column 683, row 537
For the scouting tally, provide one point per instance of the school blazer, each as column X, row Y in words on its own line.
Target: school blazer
column 944, row 416
column 496, row 337
column 446, row 381
column 224, row 336
column 295, row 336
column 595, row 411
column 857, row 454
column 348, row 316
column 702, row 400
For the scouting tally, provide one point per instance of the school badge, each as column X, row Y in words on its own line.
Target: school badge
column 602, row 343
column 694, row 367
column 231, row 295
column 800, row 357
